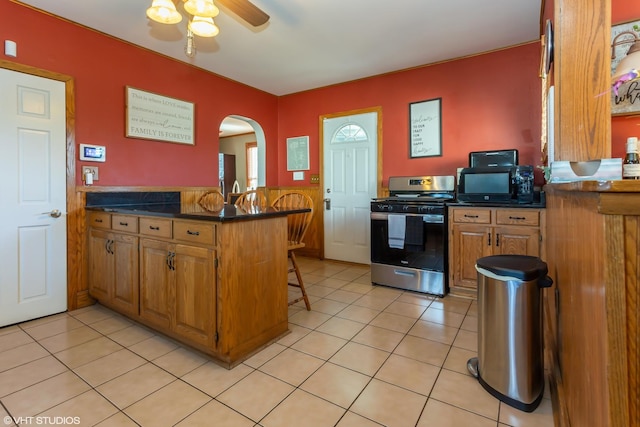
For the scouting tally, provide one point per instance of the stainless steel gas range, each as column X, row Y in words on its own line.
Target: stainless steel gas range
column 409, row 234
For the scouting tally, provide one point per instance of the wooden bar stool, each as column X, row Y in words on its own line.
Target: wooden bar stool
column 297, row 225
column 250, row 199
column 212, row 201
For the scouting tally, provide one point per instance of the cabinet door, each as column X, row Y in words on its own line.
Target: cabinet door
column 195, row 299
column 125, row 286
column 156, row 298
column 470, row 242
column 517, row 241
column 100, row 265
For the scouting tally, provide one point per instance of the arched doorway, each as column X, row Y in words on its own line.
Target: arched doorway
column 243, row 138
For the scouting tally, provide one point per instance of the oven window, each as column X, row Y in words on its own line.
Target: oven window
column 431, row 255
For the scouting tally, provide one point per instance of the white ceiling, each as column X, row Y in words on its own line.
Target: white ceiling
column 314, row 43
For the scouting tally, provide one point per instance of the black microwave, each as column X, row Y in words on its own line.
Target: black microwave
column 504, row 184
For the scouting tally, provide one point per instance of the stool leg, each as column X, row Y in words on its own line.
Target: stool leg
column 300, row 284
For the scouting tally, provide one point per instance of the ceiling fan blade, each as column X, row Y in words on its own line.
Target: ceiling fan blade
column 246, row 10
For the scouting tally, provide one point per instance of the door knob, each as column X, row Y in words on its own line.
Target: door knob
column 54, row 213
column 327, row 204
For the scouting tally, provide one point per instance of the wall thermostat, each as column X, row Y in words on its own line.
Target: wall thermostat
column 93, row 153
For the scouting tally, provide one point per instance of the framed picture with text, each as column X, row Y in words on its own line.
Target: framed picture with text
column 158, row 117
column 425, row 128
column 627, row 101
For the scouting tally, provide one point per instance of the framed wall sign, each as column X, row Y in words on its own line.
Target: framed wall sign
column 425, row 128
column 157, row 117
column 298, row 153
column 627, row 101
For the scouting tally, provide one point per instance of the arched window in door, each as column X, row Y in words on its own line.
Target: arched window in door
column 349, row 132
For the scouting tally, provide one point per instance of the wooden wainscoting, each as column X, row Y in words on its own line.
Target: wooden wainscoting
column 314, row 237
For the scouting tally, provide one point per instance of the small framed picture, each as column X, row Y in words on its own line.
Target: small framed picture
column 298, row 153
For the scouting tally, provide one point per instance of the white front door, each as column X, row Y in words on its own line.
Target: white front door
column 350, row 173
column 33, row 231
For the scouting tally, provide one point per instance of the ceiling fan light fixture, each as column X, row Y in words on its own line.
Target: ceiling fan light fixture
column 204, row 8
column 164, row 12
column 203, row 27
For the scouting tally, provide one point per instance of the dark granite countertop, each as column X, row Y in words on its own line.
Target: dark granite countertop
column 534, row 205
column 175, row 210
column 539, row 202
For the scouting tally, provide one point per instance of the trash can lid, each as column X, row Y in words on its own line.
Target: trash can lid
column 522, row 267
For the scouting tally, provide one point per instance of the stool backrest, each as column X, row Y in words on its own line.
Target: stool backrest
column 212, row 201
column 297, row 224
column 251, row 198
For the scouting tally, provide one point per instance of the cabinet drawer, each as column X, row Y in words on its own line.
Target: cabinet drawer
column 100, row 220
column 124, row 223
column 518, row 217
column 155, row 227
column 194, row 232
column 475, row 216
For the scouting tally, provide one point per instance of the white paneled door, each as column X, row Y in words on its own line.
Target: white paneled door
column 350, row 172
column 33, row 232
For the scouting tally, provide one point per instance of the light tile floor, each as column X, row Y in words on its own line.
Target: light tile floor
column 363, row 356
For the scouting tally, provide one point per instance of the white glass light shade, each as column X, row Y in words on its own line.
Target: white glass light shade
column 203, row 27
column 628, row 63
column 164, row 11
column 204, row 8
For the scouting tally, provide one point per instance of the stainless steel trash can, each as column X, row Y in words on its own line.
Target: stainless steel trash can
column 510, row 362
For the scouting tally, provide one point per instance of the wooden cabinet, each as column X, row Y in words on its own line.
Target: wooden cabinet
column 178, row 283
column 155, row 287
column 220, row 287
column 476, row 232
column 195, row 294
column 113, row 264
column 178, row 280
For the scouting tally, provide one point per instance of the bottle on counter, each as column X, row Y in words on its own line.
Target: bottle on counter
column 631, row 163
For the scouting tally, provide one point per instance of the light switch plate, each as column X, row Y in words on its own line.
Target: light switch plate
column 315, row 178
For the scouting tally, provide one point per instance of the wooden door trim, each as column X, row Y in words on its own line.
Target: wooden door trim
column 75, row 219
column 379, row 189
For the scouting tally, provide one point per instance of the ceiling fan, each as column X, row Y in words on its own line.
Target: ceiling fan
column 203, row 11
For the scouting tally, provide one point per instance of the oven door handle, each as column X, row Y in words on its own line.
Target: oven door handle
column 404, row 273
column 428, row 218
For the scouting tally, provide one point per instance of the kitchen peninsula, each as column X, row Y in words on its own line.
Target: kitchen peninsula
column 214, row 280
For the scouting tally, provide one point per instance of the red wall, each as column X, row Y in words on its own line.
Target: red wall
column 489, row 101
column 622, row 127
column 102, row 67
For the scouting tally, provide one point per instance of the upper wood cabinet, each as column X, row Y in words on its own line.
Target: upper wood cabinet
column 582, row 71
